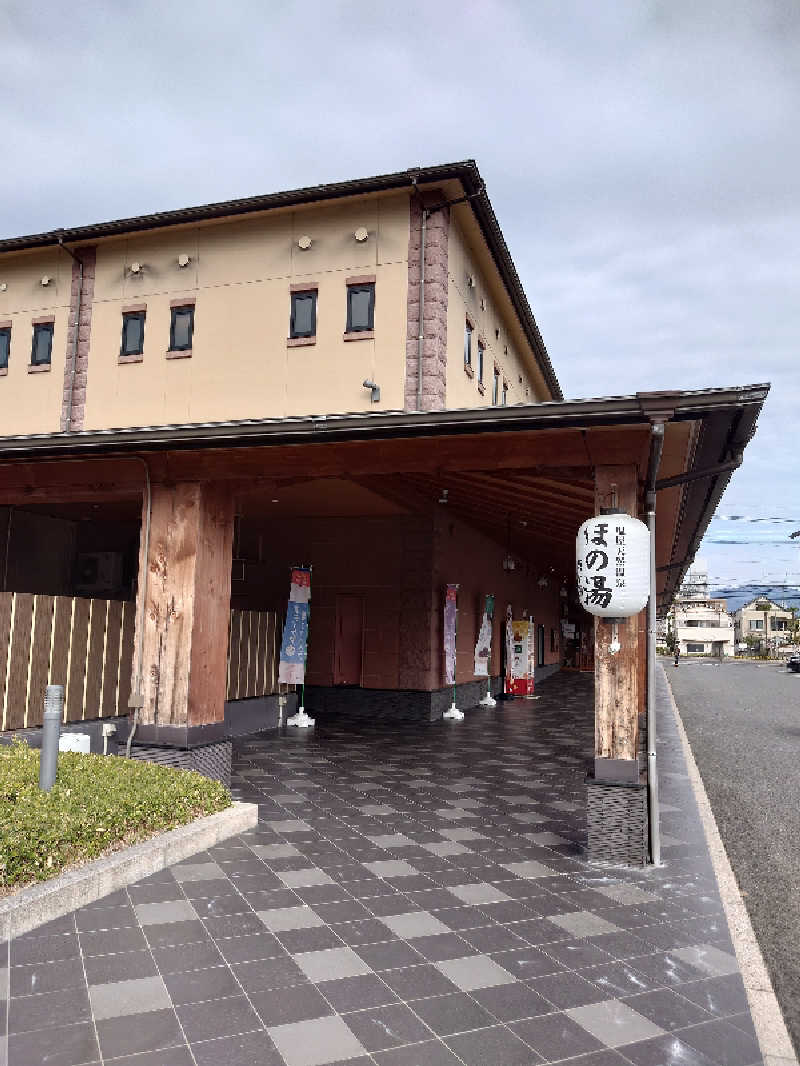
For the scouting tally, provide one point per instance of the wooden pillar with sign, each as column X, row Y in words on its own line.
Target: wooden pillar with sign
column 617, row 809
column 186, row 585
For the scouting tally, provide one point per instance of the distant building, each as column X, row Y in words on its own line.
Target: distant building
column 701, row 624
column 767, row 624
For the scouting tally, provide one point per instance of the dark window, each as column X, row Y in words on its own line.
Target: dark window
column 303, row 320
column 496, row 387
column 181, row 328
column 505, row 393
column 360, row 308
column 480, row 362
column 42, row 343
column 132, row 333
column 5, row 346
column 695, row 647
column 468, row 344
column 552, row 640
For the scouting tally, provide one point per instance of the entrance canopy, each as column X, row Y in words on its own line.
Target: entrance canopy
column 525, row 475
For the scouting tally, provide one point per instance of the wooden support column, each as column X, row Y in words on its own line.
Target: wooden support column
column 616, row 677
column 186, row 585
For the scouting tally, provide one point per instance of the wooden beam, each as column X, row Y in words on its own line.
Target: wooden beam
column 617, row 676
column 186, row 582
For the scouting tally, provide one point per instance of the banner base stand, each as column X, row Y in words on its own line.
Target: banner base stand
column 301, row 719
column 488, row 700
column 453, row 713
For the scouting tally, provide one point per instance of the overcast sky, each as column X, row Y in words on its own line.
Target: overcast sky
column 643, row 159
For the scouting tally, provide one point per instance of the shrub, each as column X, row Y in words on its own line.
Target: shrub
column 97, row 803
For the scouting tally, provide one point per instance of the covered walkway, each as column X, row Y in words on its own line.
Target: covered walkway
column 409, row 898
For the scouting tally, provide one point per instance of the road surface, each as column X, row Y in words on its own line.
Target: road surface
column 743, row 723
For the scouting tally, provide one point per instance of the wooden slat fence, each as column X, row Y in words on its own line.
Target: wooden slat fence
column 253, row 649
column 85, row 645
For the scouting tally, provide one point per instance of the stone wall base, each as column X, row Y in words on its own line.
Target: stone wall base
column 210, row 760
column 617, row 817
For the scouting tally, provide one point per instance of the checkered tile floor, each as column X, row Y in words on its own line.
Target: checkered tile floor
column 412, row 896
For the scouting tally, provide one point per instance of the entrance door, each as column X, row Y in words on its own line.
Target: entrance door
column 540, row 645
column 349, row 640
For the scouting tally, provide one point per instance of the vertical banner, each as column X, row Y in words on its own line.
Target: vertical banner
column 509, row 648
column 292, row 666
column 483, row 649
column 450, row 613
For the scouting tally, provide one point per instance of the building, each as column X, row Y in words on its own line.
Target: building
column 762, row 626
column 702, row 625
column 347, row 376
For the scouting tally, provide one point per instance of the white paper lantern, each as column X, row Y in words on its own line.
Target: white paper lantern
column 613, row 565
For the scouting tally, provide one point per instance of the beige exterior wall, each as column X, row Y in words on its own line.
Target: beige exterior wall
column 492, row 324
column 31, row 402
column 239, row 277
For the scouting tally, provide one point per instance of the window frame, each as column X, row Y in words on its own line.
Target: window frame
column 5, row 332
column 294, row 297
column 126, row 317
column 173, row 313
column 496, row 387
column 352, row 289
column 504, row 401
column 469, row 329
column 481, row 360
column 38, row 329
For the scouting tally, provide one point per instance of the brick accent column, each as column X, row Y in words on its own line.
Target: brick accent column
column 72, row 414
column 434, row 366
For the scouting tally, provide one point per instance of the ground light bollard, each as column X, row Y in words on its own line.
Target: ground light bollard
column 51, row 729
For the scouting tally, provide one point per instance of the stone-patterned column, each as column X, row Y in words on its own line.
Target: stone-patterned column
column 74, row 399
column 434, row 365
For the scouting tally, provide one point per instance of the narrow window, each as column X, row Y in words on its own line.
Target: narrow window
column 303, row 318
column 181, row 328
column 496, row 387
column 132, row 333
column 480, row 362
column 468, row 344
column 360, row 308
column 505, row 393
column 42, row 343
column 5, row 346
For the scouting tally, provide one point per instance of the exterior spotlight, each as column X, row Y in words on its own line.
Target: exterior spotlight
column 374, row 389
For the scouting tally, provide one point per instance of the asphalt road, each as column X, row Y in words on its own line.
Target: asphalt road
column 743, row 723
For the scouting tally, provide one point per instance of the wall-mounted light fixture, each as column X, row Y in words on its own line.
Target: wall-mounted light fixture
column 374, row 389
column 443, row 497
column 304, row 242
column 361, row 234
column 184, row 260
column 470, row 281
column 46, row 279
column 135, row 268
column 3, row 286
column 509, row 562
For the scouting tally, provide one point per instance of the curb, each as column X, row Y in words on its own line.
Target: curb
column 773, row 1037
column 34, row 906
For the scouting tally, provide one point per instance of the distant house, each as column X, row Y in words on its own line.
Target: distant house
column 702, row 625
column 766, row 623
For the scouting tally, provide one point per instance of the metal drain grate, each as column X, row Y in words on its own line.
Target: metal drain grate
column 211, row 760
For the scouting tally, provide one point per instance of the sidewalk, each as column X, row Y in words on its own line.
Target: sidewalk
column 411, row 897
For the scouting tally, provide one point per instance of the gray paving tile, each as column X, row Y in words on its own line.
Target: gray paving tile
column 709, row 960
column 386, row 1027
column 478, row 893
column 391, row 868
column 163, row 913
column 495, row 1046
column 241, row 1049
column 474, row 971
column 624, row 893
column 305, row 878
column 315, row 1042
column 614, row 1022
column 528, row 869
column 392, row 840
column 118, row 998
column 414, row 924
column 197, row 871
column 556, row 1036
column 584, row 923
column 289, row 825
column 275, row 851
column 60, row 1045
column 331, row 964
column 283, row 918
column 447, row 847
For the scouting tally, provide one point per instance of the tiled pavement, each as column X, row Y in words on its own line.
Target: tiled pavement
column 410, row 897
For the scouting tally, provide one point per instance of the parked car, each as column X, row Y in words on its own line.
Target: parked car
column 793, row 663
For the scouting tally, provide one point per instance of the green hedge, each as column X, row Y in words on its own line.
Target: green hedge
column 97, row 803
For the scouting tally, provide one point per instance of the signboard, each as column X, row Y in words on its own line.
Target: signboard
column 450, row 614
column 292, row 665
column 613, row 565
column 483, row 648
